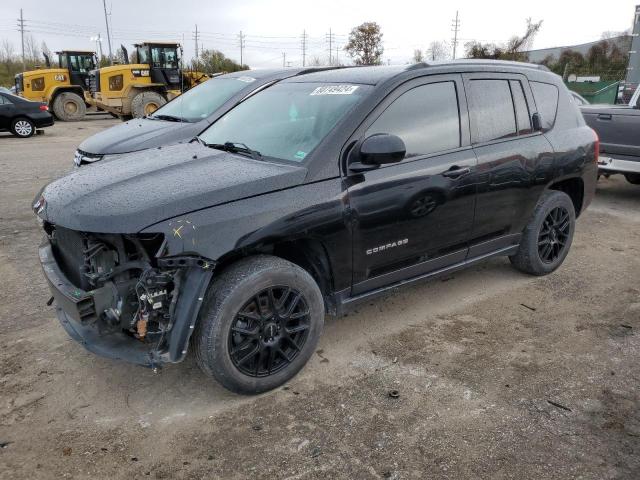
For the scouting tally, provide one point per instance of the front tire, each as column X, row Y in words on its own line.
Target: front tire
column 259, row 325
column 145, row 103
column 23, row 127
column 69, row 107
column 547, row 238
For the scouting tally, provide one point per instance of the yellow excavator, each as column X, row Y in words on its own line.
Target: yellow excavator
column 65, row 88
column 138, row 89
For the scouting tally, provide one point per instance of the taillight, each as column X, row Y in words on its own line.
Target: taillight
column 44, row 108
column 596, row 154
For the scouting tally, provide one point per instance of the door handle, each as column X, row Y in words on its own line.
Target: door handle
column 604, row 116
column 456, row 172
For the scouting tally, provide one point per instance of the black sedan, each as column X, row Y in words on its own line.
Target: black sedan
column 21, row 117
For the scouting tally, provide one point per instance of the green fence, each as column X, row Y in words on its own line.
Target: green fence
column 596, row 92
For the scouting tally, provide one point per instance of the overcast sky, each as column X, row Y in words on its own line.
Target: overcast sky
column 275, row 26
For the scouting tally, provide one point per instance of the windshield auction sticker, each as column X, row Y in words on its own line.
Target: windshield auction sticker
column 335, row 90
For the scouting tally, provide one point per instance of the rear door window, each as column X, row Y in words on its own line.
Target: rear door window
column 491, row 110
column 523, row 115
column 546, row 97
column 426, row 118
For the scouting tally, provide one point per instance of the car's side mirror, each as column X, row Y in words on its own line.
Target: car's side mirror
column 376, row 150
column 536, row 120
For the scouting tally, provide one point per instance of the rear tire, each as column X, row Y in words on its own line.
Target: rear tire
column 145, row 103
column 23, row 127
column 259, row 324
column 633, row 178
column 69, row 107
column 547, row 238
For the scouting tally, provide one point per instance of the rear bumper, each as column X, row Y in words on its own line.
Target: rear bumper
column 78, row 312
column 625, row 164
column 42, row 120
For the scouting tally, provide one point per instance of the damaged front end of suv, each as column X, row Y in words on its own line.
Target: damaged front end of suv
column 121, row 296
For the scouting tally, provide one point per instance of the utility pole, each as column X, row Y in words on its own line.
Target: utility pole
column 241, row 38
column 106, row 21
column 21, row 28
column 196, row 38
column 330, row 38
column 99, row 43
column 284, row 59
column 337, row 58
column 304, row 47
column 455, row 27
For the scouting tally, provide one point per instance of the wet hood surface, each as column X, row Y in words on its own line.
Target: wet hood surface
column 135, row 191
column 139, row 134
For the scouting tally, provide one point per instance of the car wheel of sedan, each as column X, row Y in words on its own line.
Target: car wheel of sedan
column 633, row 178
column 23, row 127
column 259, row 325
column 547, row 238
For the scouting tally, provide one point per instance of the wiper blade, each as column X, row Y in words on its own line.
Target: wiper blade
column 235, row 147
column 168, row 118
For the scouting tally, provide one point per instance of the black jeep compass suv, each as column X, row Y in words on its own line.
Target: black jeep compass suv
column 320, row 191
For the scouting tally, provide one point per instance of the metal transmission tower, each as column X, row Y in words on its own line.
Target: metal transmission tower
column 21, row 22
column 106, row 21
column 196, row 37
column 331, row 39
column 304, row 47
column 241, row 41
column 455, row 28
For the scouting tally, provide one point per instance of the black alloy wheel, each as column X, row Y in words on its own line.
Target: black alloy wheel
column 554, row 234
column 269, row 331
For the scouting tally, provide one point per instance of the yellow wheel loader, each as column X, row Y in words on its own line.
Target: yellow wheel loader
column 138, row 89
column 65, row 88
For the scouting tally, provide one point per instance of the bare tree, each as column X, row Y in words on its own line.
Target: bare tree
column 46, row 53
column 418, row 56
column 7, row 51
column 31, row 49
column 437, row 51
column 514, row 49
column 316, row 61
column 365, row 44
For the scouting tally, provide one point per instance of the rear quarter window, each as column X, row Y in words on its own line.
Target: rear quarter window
column 546, row 97
column 491, row 110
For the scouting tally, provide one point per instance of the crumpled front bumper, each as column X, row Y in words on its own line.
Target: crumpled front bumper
column 78, row 311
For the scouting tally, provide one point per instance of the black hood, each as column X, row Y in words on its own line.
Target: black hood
column 139, row 134
column 140, row 189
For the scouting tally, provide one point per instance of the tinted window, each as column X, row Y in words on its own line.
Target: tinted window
column 522, row 110
column 2, row 100
column 491, row 110
column 546, row 97
column 426, row 118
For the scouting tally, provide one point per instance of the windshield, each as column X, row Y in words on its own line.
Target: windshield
column 203, row 100
column 285, row 121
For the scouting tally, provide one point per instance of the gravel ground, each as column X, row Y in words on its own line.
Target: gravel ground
column 499, row 375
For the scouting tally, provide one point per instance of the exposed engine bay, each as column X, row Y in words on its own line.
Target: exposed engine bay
column 124, row 283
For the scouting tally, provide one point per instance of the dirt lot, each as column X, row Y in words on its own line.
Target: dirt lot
column 500, row 375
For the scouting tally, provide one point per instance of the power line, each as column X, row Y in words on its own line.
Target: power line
column 106, row 21
column 241, row 41
column 330, row 37
column 21, row 21
column 304, row 47
column 455, row 28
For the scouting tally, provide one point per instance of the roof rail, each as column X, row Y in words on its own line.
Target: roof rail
column 480, row 61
